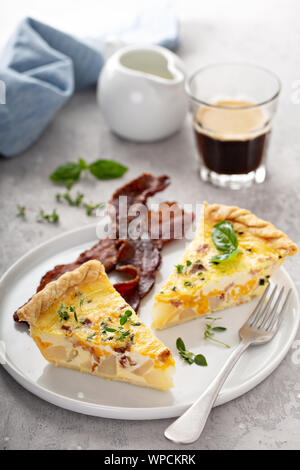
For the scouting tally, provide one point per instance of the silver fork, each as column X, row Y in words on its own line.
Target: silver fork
column 261, row 327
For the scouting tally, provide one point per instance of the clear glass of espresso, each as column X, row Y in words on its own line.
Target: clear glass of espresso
column 232, row 108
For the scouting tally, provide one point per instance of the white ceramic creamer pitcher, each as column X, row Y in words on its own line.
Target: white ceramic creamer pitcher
column 141, row 93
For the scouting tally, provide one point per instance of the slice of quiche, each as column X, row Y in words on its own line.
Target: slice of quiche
column 230, row 260
column 81, row 322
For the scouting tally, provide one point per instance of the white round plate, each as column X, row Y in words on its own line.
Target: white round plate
column 91, row 395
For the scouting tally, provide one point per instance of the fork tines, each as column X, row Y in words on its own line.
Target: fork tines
column 268, row 314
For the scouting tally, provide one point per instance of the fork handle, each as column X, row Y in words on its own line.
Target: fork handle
column 188, row 427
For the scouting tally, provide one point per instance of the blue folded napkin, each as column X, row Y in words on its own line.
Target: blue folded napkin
column 41, row 67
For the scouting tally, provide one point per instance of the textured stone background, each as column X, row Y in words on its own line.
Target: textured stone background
column 268, row 417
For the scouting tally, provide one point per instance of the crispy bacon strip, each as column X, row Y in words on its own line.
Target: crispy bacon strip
column 137, row 191
column 145, row 256
column 169, row 223
column 106, row 251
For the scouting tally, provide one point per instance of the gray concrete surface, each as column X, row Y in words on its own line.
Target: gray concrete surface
column 267, row 417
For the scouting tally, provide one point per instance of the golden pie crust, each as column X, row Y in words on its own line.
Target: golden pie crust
column 40, row 302
column 246, row 221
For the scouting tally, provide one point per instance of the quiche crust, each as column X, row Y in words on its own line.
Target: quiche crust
column 42, row 301
column 244, row 220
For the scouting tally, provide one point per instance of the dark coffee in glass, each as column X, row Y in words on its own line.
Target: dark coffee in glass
column 231, row 143
column 232, row 108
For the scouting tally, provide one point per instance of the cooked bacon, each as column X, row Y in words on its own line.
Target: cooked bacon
column 176, row 303
column 203, row 249
column 145, row 256
column 137, row 191
column 66, row 327
column 106, row 251
column 170, row 222
column 120, row 350
column 139, row 258
column 123, row 349
column 198, row 266
column 126, row 360
column 164, row 355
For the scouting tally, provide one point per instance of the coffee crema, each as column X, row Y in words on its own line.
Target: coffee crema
column 232, row 136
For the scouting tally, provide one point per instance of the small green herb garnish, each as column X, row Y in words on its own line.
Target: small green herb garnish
column 62, row 313
column 65, row 315
column 110, row 330
column 71, row 201
column 90, row 207
column 225, row 240
column 72, row 309
column 174, row 288
column 69, row 173
column 179, row 268
column 188, row 356
column 124, row 318
column 262, row 282
column 52, row 218
column 188, row 284
column 79, row 202
column 120, row 330
column 137, row 323
column 21, row 211
column 210, row 330
column 91, row 336
column 188, row 263
column 123, row 335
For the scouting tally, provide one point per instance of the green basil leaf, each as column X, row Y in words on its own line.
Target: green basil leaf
column 67, row 174
column 224, row 237
column 225, row 256
column 200, row 360
column 180, row 344
column 107, row 169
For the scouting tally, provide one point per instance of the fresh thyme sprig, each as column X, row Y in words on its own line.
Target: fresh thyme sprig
column 122, row 334
column 51, row 218
column 64, row 314
column 78, row 201
column 188, row 356
column 124, row 318
column 210, row 330
column 21, row 211
column 90, row 207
